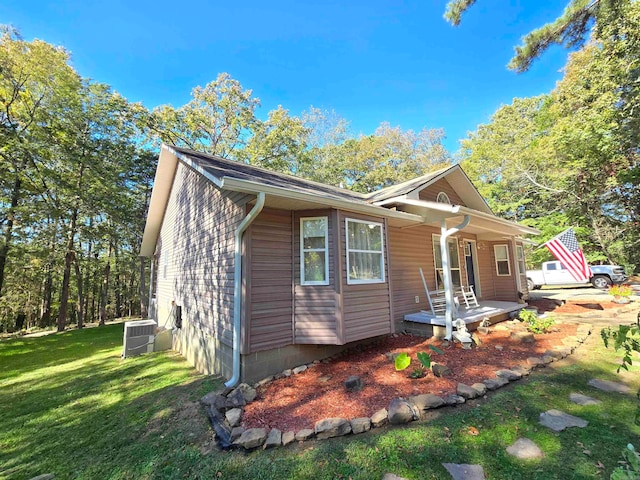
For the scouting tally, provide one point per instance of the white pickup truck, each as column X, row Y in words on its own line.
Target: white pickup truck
column 554, row 273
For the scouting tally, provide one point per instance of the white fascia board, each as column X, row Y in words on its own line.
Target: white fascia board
column 165, row 171
column 523, row 229
column 187, row 161
column 247, row 186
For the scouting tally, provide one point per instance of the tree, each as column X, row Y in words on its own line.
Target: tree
column 570, row 29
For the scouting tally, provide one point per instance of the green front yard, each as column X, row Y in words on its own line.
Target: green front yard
column 70, row 406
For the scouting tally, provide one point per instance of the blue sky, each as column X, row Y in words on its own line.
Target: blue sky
column 371, row 61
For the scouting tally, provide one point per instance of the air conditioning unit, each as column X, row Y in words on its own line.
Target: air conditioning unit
column 139, row 336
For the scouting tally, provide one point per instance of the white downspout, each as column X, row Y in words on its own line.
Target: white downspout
column 237, row 287
column 446, row 270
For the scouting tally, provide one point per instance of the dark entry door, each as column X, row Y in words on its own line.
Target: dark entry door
column 469, row 262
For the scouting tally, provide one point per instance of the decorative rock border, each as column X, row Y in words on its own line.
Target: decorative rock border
column 224, row 408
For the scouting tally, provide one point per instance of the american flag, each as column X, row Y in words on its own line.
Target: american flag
column 566, row 249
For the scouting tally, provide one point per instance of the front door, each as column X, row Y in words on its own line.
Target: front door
column 469, row 253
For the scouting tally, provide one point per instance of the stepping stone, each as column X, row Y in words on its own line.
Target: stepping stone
column 525, row 449
column 391, row 476
column 465, row 471
column 558, row 421
column 609, row 386
column 583, row 399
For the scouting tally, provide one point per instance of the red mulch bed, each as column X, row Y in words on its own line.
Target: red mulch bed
column 299, row 401
column 572, row 307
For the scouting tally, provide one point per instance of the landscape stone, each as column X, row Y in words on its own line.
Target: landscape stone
column 500, row 328
column 209, row 399
column 299, row 369
column 332, row 427
column 288, row 437
column 570, row 341
column 466, row 391
column 440, row 370
column 581, row 399
column 523, row 337
column 564, row 351
column 609, row 386
column 287, row 373
column 464, row 471
column 392, row 356
column 353, row 384
column 274, row 439
column 525, row 449
column 235, row 399
column 304, row 434
column 495, row 383
column 499, row 348
column 264, row 381
column 556, row 354
column 481, row 388
column 249, row 393
column 380, row 418
column 235, row 433
column 44, row 476
column 325, row 378
column 509, row 374
column 252, row 438
column 535, row 361
column 558, row 421
column 233, row 416
column 426, row 401
column 476, row 339
column 547, row 359
column 453, row 399
column 391, row 476
column 523, row 370
column 401, row 411
column 360, row 425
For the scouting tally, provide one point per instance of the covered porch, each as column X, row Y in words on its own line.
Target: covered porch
column 429, row 324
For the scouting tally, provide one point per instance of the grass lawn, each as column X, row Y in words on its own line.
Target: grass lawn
column 70, row 406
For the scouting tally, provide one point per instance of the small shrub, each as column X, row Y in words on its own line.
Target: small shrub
column 534, row 323
column 631, row 471
column 402, row 361
column 620, row 290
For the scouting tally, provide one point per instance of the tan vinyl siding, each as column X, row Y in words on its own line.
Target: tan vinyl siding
column 269, row 304
column 431, row 192
column 366, row 308
column 316, row 307
column 196, row 261
column 505, row 286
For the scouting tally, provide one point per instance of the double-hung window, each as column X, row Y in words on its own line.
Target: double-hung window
column 365, row 257
column 503, row 267
column 314, row 251
column 454, row 262
column 522, row 266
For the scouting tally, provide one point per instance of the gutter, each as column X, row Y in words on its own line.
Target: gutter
column 237, row 287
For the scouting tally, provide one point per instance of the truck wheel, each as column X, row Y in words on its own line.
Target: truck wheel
column 601, row 282
column 530, row 285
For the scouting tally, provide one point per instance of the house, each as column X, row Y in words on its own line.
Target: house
column 257, row 271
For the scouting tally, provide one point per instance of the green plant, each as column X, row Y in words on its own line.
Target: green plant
column 534, row 323
column 620, row 290
column 419, row 372
column 425, row 359
column 631, row 471
column 402, row 361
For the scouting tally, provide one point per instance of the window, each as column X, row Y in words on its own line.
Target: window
column 454, row 262
column 503, row 268
column 314, row 251
column 443, row 198
column 365, row 258
column 522, row 266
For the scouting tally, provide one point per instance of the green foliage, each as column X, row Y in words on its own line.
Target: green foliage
column 534, row 323
column 631, row 471
column 425, row 359
column 402, row 361
column 436, row 349
column 620, row 290
column 626, row 337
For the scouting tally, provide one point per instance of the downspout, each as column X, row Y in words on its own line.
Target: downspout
column 237, row 287
column 151, row 273
column 446, row 271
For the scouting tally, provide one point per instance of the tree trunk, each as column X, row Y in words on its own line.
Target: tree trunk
column 144, row 313
column 7, row 230
column 45, row 309
column 105, row 289
column 80, row 304
column 117, row 284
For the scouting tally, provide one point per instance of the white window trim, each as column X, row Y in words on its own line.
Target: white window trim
column 443, row 198
column 325, row 250
column 435, row 243
column 521, row 258
column 495, row 254
column 351, row 281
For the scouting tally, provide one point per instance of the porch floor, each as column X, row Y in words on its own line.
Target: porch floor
column 487, row 308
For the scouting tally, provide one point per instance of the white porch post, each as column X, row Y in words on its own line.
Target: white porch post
column 446, row 271
column 150, row 312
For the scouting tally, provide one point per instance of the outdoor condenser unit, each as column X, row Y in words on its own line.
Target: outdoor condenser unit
column 138, row 337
